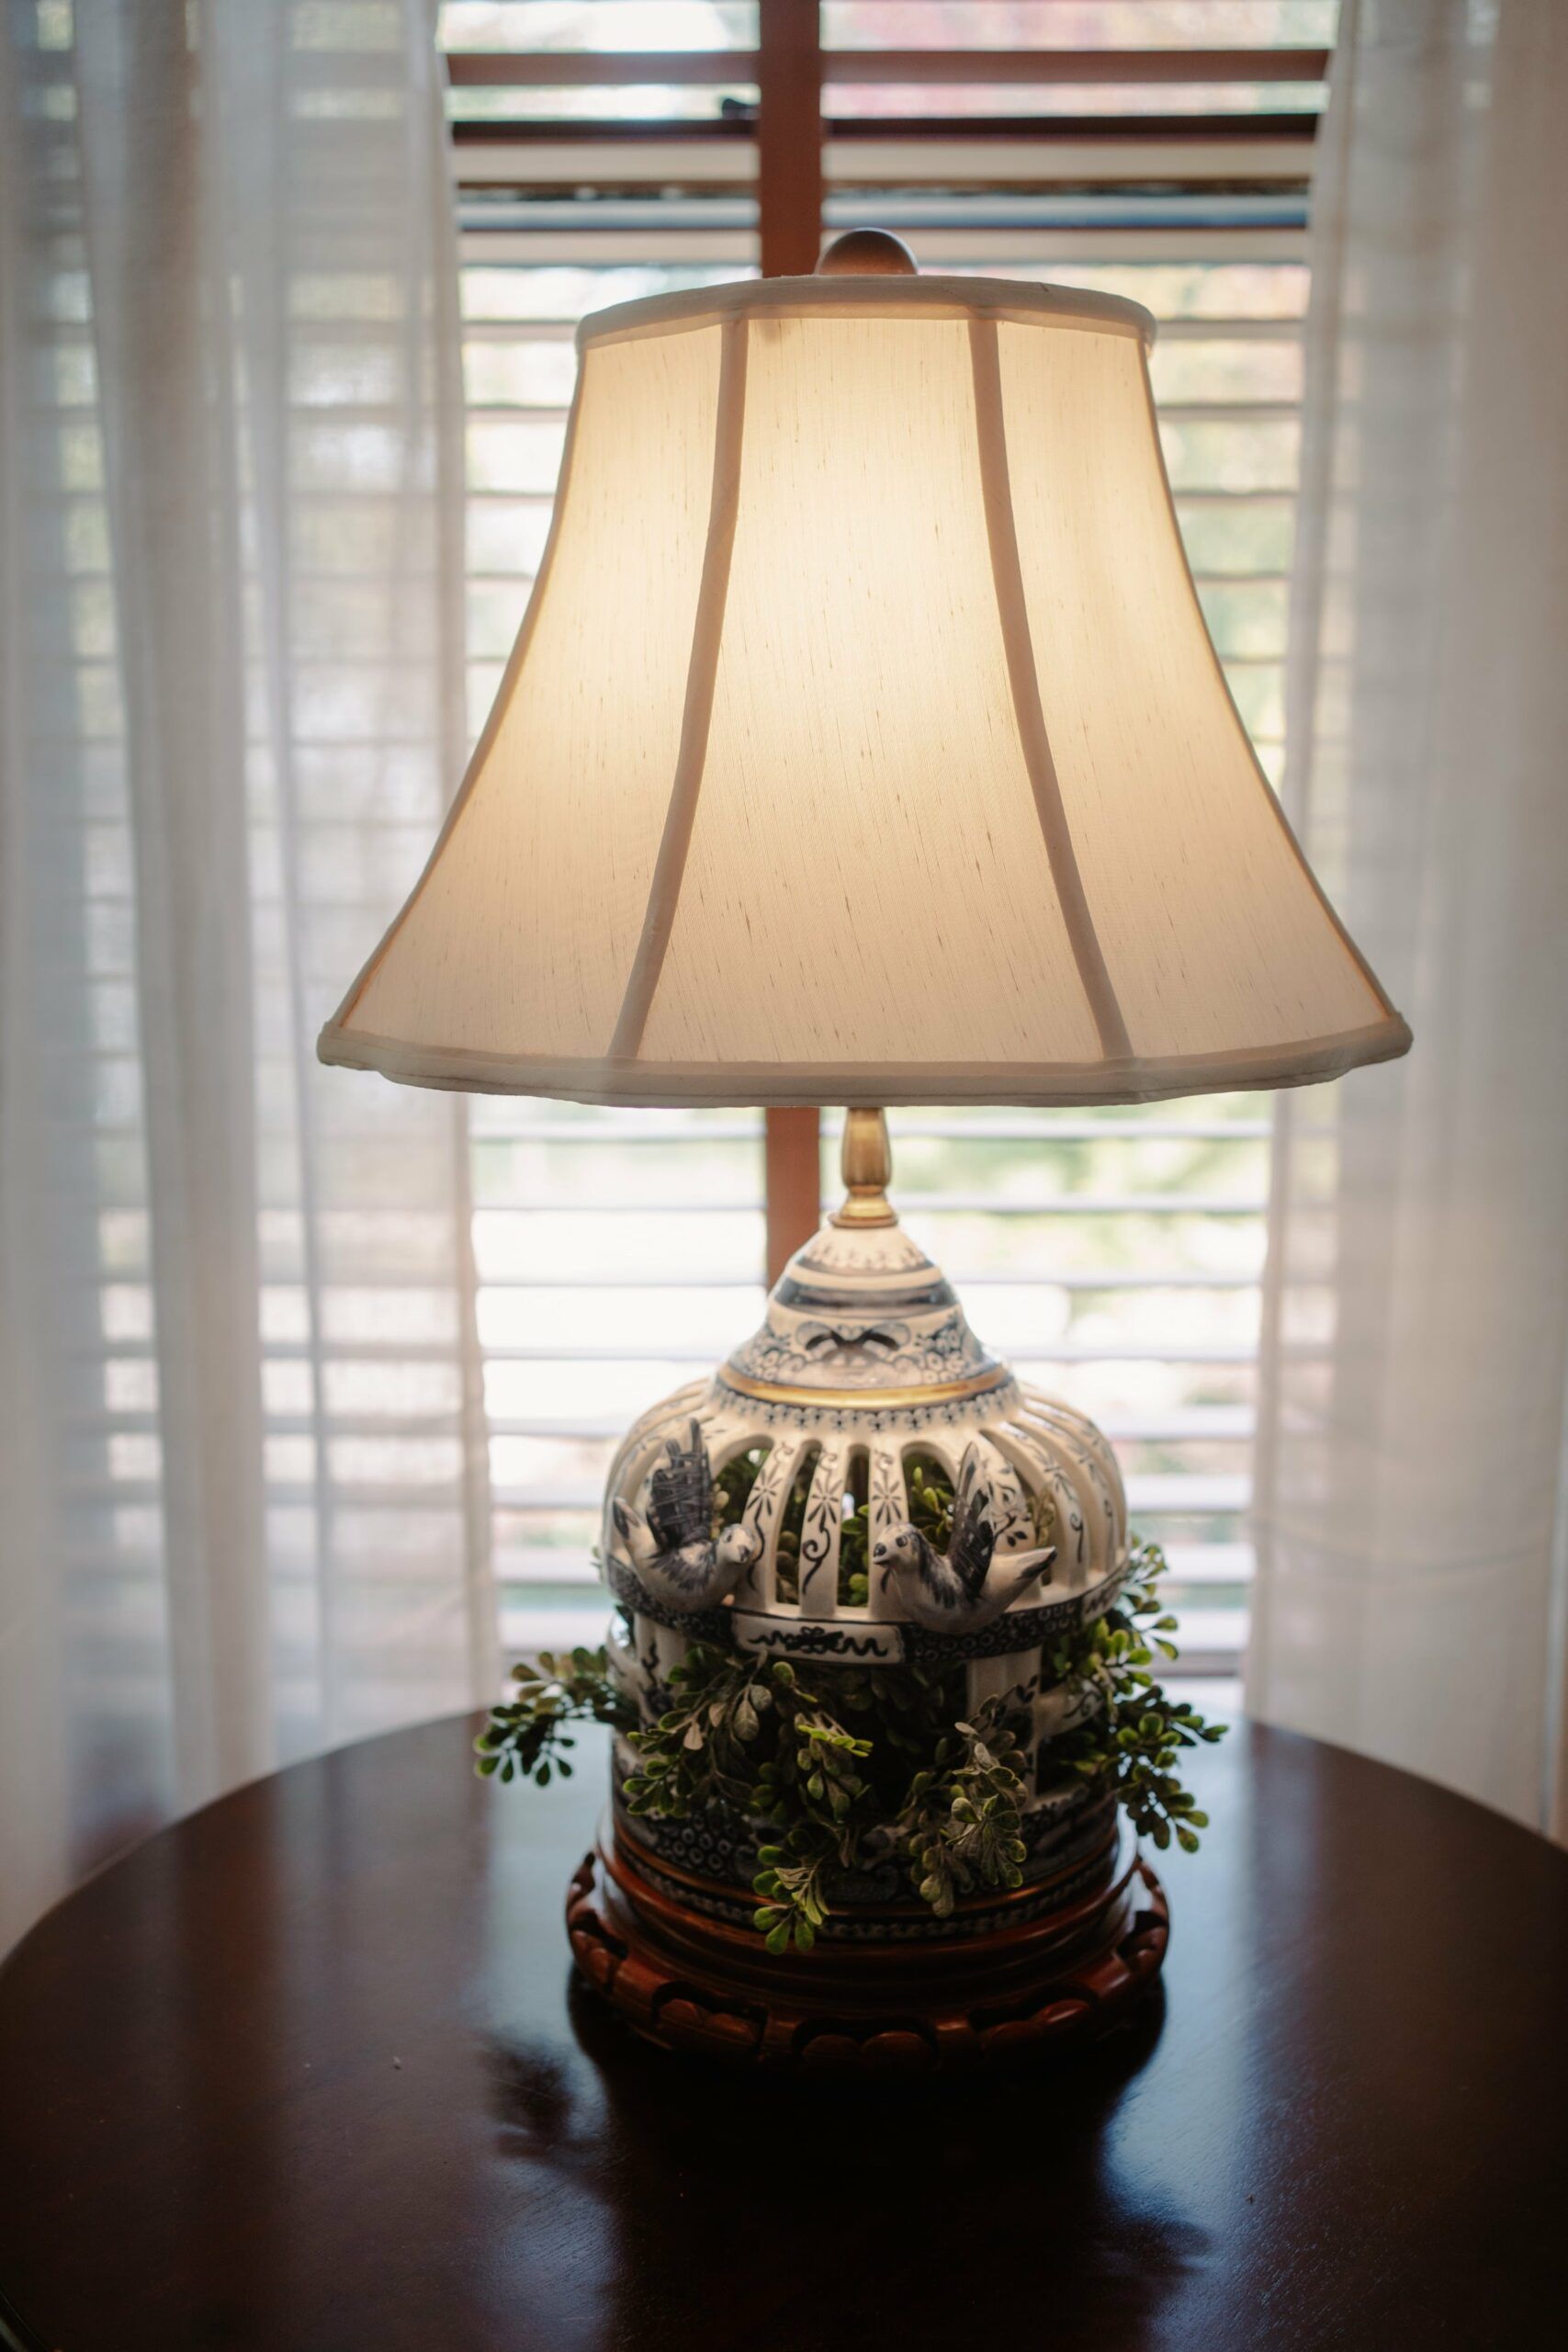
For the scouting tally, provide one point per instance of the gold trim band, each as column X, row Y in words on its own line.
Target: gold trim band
column 938, row 1392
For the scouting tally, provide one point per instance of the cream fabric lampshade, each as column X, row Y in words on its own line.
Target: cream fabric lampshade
column 863, row 741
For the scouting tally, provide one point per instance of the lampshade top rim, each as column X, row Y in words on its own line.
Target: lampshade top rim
column 914, row 297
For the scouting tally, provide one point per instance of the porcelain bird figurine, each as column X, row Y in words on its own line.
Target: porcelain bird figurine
column 674, row 1550
column 953, row 1592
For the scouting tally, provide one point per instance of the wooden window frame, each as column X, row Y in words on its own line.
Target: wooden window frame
column 789, row 208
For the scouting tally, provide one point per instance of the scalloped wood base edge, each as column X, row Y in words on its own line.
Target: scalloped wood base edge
column 884, row 2010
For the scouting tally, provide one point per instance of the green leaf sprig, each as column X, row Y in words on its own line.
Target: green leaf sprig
column 963, row 1819
column 1130, row 1731
column 525, row 1735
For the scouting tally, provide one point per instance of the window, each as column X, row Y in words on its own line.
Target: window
column 1162, row 150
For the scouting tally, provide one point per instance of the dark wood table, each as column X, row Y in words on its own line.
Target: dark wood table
column 306, row 2072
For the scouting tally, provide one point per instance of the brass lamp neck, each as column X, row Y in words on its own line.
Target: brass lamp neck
column 866, row 1165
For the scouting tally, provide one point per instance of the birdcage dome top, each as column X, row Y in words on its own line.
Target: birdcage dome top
column 860, row 1317
column 864, row 1378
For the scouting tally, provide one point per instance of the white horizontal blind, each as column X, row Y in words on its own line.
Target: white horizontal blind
column 1115, row 1256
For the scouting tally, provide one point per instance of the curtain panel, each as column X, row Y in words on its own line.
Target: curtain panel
column 1411, row 1456
column 243, row 1510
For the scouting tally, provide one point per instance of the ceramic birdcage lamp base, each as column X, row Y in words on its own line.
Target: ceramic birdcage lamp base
column 765, row 1518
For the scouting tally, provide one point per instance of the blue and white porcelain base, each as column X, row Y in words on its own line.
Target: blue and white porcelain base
column 863, row 1381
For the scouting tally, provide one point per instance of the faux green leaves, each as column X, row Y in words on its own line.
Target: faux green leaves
column 841, row 1767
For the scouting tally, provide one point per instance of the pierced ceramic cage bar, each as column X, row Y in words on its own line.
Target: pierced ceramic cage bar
column 864, row 1371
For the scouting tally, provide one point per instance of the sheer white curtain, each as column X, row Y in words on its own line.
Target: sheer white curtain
column 243, row 1471
column 1411, row 1477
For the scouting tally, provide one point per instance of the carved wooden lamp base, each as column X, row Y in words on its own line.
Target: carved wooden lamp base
column 881, row 2005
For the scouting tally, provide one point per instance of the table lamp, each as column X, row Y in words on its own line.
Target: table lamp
column 864, row 742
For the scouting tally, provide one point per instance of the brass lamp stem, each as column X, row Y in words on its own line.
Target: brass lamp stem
column 866, row 1165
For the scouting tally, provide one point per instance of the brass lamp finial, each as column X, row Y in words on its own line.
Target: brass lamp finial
column 866, row 1162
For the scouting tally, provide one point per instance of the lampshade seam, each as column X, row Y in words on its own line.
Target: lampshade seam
column 1035, row 740
column 702, row 671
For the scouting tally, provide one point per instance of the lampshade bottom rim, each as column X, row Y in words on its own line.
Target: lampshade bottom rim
column 691, row 1085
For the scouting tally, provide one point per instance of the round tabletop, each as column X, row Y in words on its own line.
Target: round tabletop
column 306, row 2071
